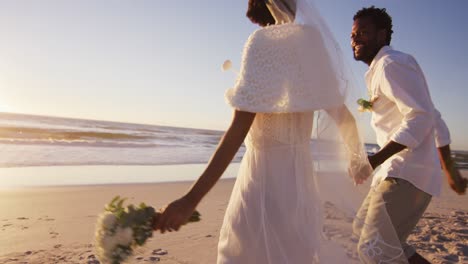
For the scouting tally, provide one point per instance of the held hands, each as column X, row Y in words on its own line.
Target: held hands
column 359, row 170
column 174, row 215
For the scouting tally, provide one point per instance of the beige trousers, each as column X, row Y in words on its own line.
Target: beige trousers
column 395, row 202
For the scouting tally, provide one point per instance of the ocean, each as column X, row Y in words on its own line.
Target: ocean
column 29, row 141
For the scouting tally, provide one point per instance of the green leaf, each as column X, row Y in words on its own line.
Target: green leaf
column 364, row 103
column 195, row 217
column 120, row 203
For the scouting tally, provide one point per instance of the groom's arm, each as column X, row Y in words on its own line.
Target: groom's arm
column 442, row 140
column 454, row 178
column 386, row 152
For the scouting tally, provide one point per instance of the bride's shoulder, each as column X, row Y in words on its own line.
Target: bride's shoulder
column 275, row 30
column 272, row 39
column 281, row 32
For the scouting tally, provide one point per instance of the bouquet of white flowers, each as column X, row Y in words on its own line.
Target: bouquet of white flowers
column 120, row 229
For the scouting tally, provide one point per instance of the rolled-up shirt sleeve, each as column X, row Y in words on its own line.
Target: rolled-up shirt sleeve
column 406, row 86
column 442, row 133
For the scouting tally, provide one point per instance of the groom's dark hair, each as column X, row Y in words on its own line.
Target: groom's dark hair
column 258, row 13
column 380, row 18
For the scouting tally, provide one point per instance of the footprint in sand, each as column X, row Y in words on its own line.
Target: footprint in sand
column 457, row 213
column 452, row 258
column 92, row 259
column 462, row 231
column 54, row 234
column 159, row 252
column 442, row 238
column 22, row 218
column 462, row 248
column 46, row 218
column 438, row 248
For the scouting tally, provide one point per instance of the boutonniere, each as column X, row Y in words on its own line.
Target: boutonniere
column 365, row 105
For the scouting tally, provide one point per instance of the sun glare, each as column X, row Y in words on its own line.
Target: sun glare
column 4, row 108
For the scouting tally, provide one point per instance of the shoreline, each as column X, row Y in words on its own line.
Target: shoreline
column 89, row 175
column 99, row 175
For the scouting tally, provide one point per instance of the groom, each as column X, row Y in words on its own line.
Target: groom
column 408, row 128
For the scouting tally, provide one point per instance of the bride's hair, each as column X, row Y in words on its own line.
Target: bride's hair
column 259, row 14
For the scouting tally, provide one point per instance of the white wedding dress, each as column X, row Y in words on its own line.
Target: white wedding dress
column 277, row 208
column 273, row 215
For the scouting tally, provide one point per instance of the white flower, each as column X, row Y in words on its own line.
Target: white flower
column 107, row 220
column 227, row 65
column 105, row 246
column 124, row 236
column 109, row 243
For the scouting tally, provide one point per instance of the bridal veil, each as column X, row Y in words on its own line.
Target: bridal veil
column 296, row 66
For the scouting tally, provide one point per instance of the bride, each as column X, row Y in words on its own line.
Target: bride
column 292, row 85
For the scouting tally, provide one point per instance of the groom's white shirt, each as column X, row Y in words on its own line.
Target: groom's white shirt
column 403, row 112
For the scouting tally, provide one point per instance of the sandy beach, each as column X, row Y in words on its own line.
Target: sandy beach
column 56, row 224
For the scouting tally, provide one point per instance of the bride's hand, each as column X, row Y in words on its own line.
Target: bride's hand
column 174, row 215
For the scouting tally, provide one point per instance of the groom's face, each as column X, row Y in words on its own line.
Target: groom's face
column 366, row 40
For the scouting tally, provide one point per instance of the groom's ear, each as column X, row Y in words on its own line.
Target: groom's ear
column 382, row 36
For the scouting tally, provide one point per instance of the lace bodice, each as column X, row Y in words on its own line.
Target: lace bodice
column 277, row 130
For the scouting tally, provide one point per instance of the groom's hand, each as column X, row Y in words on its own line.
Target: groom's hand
column 460, row 186
column 455, row 180
column 386, row 152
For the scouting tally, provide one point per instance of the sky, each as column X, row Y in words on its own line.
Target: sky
column 159, row 62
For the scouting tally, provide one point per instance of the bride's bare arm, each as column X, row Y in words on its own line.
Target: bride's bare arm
column 359, row 167
column 347, row 127
column 227, row 148
column 178, row 212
